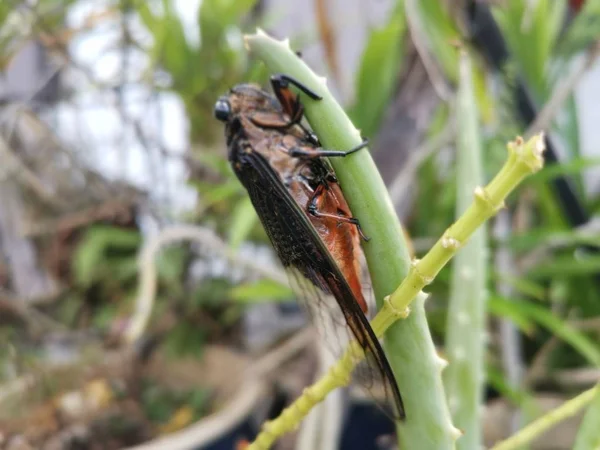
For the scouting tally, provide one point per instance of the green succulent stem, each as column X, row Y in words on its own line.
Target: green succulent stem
column 464, row 378
column 547, row 421
column 409, row 346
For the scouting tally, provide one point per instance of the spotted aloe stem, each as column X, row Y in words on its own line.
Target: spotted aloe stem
column 465, row 330
column 409, row 345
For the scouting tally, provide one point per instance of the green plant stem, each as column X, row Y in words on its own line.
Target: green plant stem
column 465, row 330
column 544, row 423
column 588, row 436
column 409, row 345
column 410, row 348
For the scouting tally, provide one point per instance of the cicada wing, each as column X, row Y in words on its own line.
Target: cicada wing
column 304, row 255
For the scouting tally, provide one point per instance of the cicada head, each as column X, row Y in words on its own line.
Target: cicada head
column 245, row 99
column 222, row 109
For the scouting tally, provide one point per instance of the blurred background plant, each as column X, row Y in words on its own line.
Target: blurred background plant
column 108, row 142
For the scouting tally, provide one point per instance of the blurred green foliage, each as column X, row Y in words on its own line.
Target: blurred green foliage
column 161, row 403
column 562, row 282
column 199, row 73
column 378, row 73
column 554, row 290
column 17, row 22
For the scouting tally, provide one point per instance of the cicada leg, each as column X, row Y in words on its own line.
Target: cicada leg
column 290, row 102
column 316, row 202
column 309, row 152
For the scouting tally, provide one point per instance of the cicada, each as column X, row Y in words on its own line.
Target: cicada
column 299, row 201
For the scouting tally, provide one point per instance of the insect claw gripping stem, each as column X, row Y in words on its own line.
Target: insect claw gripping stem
column 281, row 81
column 342, row 153
column 298, row 152
column 360, row 230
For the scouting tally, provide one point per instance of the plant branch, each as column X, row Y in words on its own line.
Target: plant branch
column 544, row 423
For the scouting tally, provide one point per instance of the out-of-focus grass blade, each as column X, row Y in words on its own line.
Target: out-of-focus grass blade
column 243, row 220
column 263, row 290
column 497, row 380
column 378, row 73
column 578, row 263
column 215, row 194
column 215, row 15
column 568, row 127
column 500, row 307
column 572, row 167
column 440, row 31
column 518, row 397
column 583, row 31
column 524, row 286
column 531, row 29
column 170, row 48
column 464, row 378
column 558, row 327
column 540, row 236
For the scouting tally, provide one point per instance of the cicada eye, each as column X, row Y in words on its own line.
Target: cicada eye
column 222, row 110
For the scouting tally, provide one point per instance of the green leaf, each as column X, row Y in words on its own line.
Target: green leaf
column 91, row 255
column 184, row 340
column 170, row 48
column 537, row 237
column 123, row 269
column 574, row 166
column 260, row 291
column 441, row 33
column 216, row 194
column 521, row 398
column 558, row 327
column 150, row 20
column 215, row 162
column 170, row 265
column 524, row 286
column 531, row 28
column 199, row 400
column 503, row 308
column 577, row 264
column 243, row 220
column 215, row 15
column 378, row 73
column 516, row 396
column 583, row 31
column 568, row 127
